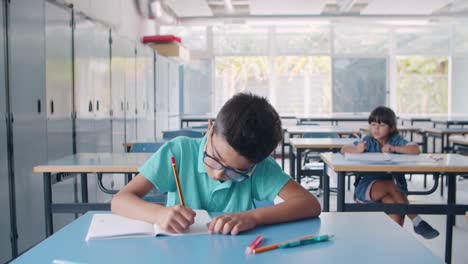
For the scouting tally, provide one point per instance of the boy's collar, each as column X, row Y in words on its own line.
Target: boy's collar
column 201, row 149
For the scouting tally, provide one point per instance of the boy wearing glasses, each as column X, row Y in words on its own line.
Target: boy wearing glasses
column 222, row 172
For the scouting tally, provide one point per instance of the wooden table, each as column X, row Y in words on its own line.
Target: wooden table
column 84, row 164
column 301, row 130
column 450, row 121
column 443, row 134
column 334, row 118
column 316, row 144
column 451, row 165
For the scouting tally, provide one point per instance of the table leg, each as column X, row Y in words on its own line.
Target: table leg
column 84, row 187
column 451, row 199
column 299, row 165
column 282, row 152
column 49, row 228
column 340, row 192
column 292, row 171
column 326, row 189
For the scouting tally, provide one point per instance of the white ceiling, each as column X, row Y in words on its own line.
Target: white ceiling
column 245, row 8
column 190, row 8
column 286, row 7
column 404, row 7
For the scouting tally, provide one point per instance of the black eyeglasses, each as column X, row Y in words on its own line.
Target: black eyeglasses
column 231, row 173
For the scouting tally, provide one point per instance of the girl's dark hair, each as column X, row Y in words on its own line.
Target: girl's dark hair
column 382, row 114
column 250, row 125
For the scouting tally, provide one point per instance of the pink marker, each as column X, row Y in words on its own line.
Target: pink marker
column 254, row 245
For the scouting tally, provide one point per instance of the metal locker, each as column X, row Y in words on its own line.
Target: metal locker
column 5, row 224
column 174, row 91
column 118, row 64
column 84, row 100
column 145, row 93
column 59, row 99
column 100, row 74
column 162, row 95
column 28, row 104
column 130, row 93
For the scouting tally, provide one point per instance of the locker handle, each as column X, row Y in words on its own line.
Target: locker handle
column 38, row 106
column 90, row 106
column 51, row 106
column 121, row 105
column 128, row 107
column 97, row 105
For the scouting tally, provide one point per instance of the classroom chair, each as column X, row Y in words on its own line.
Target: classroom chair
column 147, row 147
column 312, row 164
column 168, row 135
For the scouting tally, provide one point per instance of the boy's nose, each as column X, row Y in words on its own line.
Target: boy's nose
column 219, row 174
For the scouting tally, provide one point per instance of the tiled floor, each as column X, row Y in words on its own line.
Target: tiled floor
column 437, row 245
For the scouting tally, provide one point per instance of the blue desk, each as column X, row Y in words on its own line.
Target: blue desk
column 360, row 238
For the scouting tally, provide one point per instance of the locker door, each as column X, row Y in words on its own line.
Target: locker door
column 144, row 123
column 162, row 96
column 59, row 99
column 84, row 97
column 150, row 86
column 118, row 61
column 130, row 93
column 5, row 226
column 27, row 84
column 100, row 68
column 174, row 98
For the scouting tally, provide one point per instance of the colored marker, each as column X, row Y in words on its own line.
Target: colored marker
column 254, row 245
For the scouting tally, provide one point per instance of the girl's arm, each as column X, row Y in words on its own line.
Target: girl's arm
column 408, row 149
column 351, row 148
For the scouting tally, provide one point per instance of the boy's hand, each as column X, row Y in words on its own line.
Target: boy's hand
column 361, row 146
column 176, row 219
column 232, row 223
column 388, row 148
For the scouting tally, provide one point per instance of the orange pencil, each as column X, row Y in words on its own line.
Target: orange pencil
column 176, row 177
column 275, row 246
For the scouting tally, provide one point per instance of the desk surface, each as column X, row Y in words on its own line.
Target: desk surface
column 450, row 163
column 400, row 128
column 452, row 130
column 359, row 238
column 96, row 162
column 319, row 129
column 320, row 143
column 462, row 140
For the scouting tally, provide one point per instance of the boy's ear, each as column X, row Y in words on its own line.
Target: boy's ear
column 210, row 124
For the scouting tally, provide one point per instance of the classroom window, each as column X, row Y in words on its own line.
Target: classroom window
column 422, row 40
column 359, row 84
column 302, row 84
column 193, row 38
column 359, row 39
column 236, row 74
column 422, row 84
column 302, row 39
column 240, row 40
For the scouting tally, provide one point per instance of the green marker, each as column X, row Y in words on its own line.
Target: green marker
column 306, row 241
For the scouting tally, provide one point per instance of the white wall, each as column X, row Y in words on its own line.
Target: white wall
column 121, row 14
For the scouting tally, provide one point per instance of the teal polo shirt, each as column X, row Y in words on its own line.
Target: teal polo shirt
column 202, row 192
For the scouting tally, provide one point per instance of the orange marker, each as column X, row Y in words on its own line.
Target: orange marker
column 176, row 177
column 275, row 246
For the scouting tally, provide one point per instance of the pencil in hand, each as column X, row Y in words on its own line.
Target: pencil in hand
column 176, row 177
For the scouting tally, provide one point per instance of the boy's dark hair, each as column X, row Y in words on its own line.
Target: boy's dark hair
column 250, row 125
column 382, row 114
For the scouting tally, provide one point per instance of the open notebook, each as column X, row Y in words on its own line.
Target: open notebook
column 386, row 157
column 111, row 226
